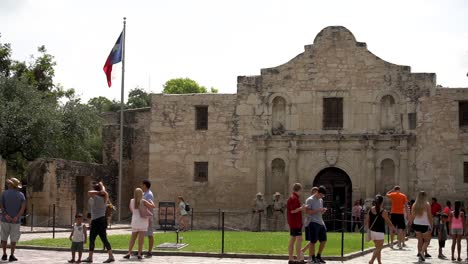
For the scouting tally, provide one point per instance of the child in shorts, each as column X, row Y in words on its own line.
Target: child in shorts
column 442, row 236
column 78, row 237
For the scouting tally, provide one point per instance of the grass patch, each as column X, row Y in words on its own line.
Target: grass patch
column 234, row 242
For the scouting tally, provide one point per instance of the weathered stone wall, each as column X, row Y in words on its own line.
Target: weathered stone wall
column 241, row 142
column 65, row 184
column 135, row 153
column 175, row 145
column 442, row 145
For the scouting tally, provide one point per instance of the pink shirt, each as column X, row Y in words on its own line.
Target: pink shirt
column 457, row 222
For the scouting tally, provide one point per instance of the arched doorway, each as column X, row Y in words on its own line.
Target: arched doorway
column 338, row 197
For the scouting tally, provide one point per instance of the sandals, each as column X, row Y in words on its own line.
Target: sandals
column 126, row 256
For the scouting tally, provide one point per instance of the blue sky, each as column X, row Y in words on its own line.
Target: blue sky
column 214, row 41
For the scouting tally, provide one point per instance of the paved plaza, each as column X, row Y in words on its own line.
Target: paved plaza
column 390, row 256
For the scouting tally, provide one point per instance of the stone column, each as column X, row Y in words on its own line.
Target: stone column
column 292, row 163
column 370, row 169
column 403, row 179
column 261, row 162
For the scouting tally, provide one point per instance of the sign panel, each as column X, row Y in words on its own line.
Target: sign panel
column 167, row 213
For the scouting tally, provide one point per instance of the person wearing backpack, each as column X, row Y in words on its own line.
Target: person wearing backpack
column 376, row 219
column 183, row 218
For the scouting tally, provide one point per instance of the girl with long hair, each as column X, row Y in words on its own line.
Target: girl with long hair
column 375, row 221
column 183, row 218
column 139, row 223
column 457, row 220
column 421, row 218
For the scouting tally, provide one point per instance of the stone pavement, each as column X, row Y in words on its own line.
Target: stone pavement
column 389, row 256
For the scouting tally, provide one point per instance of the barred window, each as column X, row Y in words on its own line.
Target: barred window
column 465, row 172
column 332, row 113
column 412, row 121
column 463, row 113
column 201, row 115
column 201, row 172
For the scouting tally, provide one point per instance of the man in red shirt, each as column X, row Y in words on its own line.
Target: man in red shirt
column 294, row 214
column 436, row 208
column 398, row 212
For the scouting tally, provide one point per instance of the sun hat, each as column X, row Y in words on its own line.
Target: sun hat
column 15, row 183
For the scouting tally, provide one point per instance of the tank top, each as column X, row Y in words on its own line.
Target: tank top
column 379, row 225
column 421, row 219
column 78, row 235
column 98, row 207
column 457, row 222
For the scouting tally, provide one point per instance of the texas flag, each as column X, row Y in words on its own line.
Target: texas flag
column 115, row 56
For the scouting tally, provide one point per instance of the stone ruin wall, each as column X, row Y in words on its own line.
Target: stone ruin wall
column 65, row 184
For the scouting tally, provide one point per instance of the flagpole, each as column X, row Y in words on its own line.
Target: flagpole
column 119, row 192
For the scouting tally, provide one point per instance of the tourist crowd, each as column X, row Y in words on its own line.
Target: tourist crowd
column 423, row 218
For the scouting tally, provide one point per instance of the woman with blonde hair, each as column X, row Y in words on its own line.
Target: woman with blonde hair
column 421, row 218
column 183, row 218
column 457, row 220
column 376, row 219
column 139, row 223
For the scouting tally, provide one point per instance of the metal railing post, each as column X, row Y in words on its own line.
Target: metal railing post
column 222, row 234
column 362, row 235
column 177, row 238
column 53, row 221
column 259, row 221
column 32, row 216
column 219, row 218
column 191, row 220
column 342, row 235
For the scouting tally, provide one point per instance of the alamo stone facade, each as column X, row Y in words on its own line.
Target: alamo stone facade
column 335, row 115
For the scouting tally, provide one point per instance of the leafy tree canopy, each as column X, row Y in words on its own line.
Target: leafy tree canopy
column 138, row 98
column 182, row 86
column 41, row 119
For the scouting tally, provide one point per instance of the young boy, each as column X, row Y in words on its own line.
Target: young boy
column 294, row 213
column 442, row 236
column 78, row 238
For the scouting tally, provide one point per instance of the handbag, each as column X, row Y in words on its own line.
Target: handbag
column 144, row 211
column 368, row 236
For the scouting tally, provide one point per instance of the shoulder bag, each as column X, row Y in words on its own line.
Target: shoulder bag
column 144, row 211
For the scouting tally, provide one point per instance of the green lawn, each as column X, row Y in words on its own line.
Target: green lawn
column 234, row 242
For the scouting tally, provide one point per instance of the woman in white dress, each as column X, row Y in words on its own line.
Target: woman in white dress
column 139, row 224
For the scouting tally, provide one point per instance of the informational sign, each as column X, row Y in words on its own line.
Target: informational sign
column 167, row 213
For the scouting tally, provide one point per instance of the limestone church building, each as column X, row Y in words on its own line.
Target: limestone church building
column 335, row 115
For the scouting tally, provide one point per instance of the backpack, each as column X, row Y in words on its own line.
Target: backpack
column 187, row 207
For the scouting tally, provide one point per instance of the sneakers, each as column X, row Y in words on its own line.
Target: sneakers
column 319, row 260
column 427, row 256
column 109, row 260
column 442, row 257
column 421, row 258
column 12, row 258
column 88, row 260
column 4, row 257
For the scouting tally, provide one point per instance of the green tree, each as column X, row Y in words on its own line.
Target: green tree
column 41, row 119
column 182, row 86
column 138, row 98
column 101, row 104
